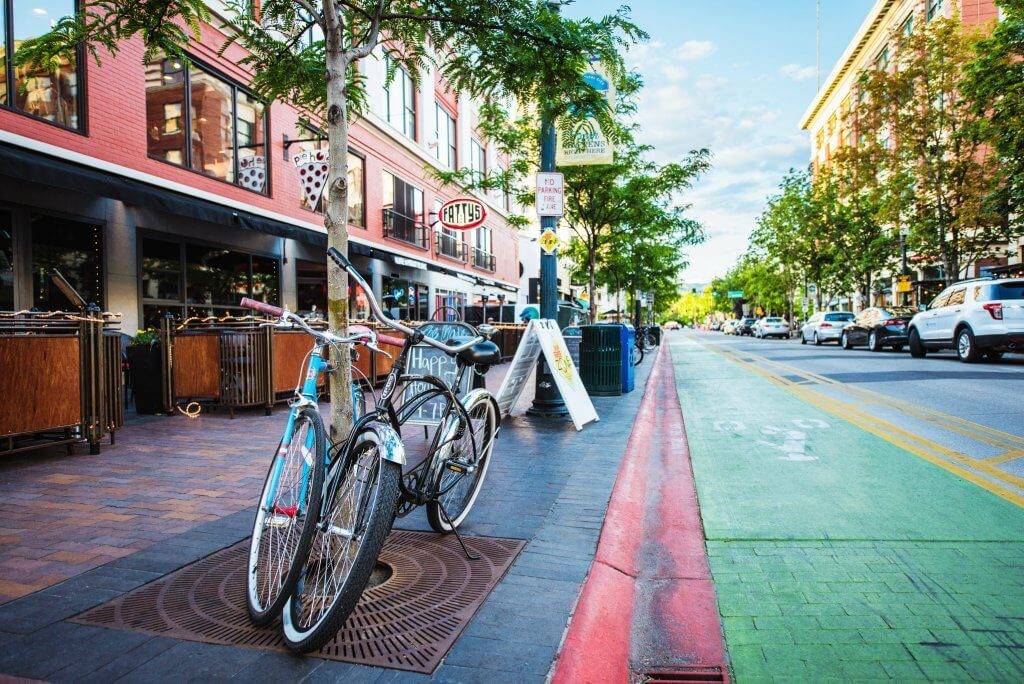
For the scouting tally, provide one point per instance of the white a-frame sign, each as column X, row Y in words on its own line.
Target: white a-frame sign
column 543, row 336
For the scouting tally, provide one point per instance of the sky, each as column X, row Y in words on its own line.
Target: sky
column 734, row 76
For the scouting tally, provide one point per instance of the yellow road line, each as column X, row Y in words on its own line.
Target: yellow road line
column 916, row 444
column 1005, row 458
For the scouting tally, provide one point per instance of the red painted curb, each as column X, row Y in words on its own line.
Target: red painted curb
column 598, row 643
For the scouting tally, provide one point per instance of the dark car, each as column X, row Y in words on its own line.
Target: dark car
column 745, row 327
column 878, row 328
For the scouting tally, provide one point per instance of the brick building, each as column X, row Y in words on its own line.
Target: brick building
column 162, row 187
column 830, row 127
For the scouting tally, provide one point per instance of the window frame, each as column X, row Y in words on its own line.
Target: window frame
column 186, row 116
column 401, row 76
column 82, row 89
column 313, row 131
column 182, row 242
column 475, row 145
column 451, row 122
column 933, row 9
column 26, row 240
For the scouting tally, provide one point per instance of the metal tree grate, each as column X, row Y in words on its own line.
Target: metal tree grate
column 408, row 622
column 685, row 674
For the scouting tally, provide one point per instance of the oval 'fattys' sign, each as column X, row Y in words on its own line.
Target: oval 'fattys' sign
column 464, row 213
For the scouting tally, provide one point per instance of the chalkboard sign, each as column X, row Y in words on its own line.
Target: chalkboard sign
column 426, row 360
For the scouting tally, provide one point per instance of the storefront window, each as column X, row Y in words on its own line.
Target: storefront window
column 73, row 248
column 227, row 126
column 452, row 305
column 201, row 280
column 6, row 262
column 53, row 95
column 405, row 299
column 311, row 285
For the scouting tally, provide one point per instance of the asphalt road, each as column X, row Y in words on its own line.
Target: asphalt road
column 971, row 415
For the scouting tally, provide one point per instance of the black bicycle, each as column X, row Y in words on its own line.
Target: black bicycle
column 365, row 488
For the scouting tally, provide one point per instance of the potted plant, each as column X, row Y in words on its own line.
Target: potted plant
column 144, row 361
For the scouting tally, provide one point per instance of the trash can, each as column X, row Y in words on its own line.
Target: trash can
column 601, row 359
column 656, row 331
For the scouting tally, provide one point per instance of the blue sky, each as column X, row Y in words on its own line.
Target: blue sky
column 734, row 76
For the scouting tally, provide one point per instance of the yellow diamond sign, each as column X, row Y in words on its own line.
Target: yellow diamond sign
column 548, row 241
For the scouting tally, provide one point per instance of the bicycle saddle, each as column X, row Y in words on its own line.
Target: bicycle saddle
column 484, row 353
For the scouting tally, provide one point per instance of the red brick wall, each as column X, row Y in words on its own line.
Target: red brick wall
column 116, row 133
column 978, row 11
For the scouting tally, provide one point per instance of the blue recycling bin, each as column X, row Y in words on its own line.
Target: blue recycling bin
column 628, row 340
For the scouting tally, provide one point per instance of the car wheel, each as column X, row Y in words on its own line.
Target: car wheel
column 803, row 338
column 844, row 342
column 874, row 344
column 966, row 350
column 917, row 349
column 817, row 340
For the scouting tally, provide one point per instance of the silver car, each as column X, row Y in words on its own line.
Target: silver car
column 825, row 326
column 772, row 326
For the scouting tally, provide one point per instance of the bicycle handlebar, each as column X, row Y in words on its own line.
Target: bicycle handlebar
column 342, row 261
column 263, row 307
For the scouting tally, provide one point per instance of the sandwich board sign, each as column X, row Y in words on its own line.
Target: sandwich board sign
column 427, row 360
column 543, row 336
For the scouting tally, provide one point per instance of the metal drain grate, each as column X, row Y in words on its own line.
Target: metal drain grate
column 683, row 675
column 408, row 622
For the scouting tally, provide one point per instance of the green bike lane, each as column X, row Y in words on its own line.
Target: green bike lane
column 837, row 554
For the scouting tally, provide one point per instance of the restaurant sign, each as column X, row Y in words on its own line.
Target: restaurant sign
column 465, row 213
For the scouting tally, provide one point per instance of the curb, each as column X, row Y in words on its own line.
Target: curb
column 598, row 643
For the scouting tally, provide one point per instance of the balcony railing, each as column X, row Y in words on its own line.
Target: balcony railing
column 405, row 228
column 482, row 259
column 450, row 246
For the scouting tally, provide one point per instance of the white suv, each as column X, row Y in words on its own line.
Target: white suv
column 977, row 318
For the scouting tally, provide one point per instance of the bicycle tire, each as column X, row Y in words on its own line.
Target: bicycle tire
column 636, row 355
column 485, row 445
column 650, row 341
column 303, row 636
column 263, row 610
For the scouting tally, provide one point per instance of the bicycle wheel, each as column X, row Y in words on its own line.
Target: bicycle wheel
column 286, row 516
column 461, row 472
column 650, row 341
column 348, row 541
column 636, row 354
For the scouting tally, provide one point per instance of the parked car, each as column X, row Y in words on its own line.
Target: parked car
column 978, row 318
column 745, row 327
column 715, row 325
column 825, row 326
column 729, row 326
column 672, row 325
column 771, row 326
column 878, row 328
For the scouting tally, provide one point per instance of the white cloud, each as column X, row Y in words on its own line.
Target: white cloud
column 797, row 72
column 40, row 11
column 694, row 49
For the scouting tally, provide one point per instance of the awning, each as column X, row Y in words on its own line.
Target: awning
column 20, row 164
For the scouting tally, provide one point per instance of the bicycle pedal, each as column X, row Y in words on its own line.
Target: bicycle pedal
column 458, row 466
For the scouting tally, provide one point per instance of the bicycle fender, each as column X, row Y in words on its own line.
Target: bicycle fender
column 387, row 439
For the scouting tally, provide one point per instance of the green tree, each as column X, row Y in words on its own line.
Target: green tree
column 487, row 48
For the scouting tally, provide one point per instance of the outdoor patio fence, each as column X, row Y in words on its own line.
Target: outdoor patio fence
column 61, row 379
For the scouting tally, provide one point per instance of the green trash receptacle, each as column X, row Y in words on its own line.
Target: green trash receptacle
column 601, row 360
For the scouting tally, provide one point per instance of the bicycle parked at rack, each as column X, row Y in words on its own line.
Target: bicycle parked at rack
column 359, row 485
column 645, row 339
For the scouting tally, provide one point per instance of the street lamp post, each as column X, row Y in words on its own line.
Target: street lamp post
column 547, row 400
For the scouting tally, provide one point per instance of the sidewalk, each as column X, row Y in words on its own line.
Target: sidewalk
column 548, row 485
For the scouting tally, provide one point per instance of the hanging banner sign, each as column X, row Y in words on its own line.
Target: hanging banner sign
column 587, row 144
column 252, row 173
column 542, row 336
column 465, row 213
column 550, row 196
column 903, row 284
column 312, row 166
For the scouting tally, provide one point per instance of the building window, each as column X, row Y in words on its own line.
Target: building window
column 405, row 299
column 934, row 8
column 483, row 255
column 193, row 279
column 448, row 242
column 446, row 136
column 450, row 304
column 907, row 28
column 73, row 248
column 52, row 95
column 226, row 124
column 6, row 261
column 882, row 60
column 403, row 211
column 313, row 140
column 500, row 193
column 477, row 159
column 400, row 96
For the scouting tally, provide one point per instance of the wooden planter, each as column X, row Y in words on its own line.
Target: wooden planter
column 61, row 377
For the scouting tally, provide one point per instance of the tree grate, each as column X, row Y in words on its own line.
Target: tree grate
column 408, row 622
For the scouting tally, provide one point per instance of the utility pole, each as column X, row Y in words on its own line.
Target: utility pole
column 547, row 400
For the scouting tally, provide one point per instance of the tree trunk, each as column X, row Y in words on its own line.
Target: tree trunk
column 336, row 222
